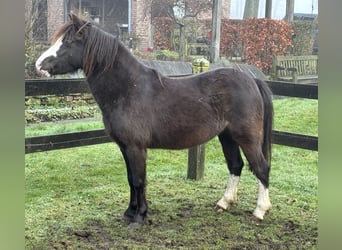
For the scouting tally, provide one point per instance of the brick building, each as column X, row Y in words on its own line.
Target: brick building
column 115, row 16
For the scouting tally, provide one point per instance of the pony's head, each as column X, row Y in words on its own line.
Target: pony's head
column 66, row 53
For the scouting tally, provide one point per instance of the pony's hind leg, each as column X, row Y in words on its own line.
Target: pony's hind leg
column 263, row 203
column 260, row 168
column 235, row 164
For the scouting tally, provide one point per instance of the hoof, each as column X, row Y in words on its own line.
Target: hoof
column 219, row 209
column 224, row 204
column 257, row 218
column 129, row 214
column 127, row 218
column 259, row 213
column 134, row 225
column 135, row 221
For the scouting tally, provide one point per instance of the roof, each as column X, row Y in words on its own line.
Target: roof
column 304, row 16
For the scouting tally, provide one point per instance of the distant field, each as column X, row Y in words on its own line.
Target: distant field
column 75, row 197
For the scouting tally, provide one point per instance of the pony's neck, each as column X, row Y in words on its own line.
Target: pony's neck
column 116, row 82
column 127, row 64
column 115, row 62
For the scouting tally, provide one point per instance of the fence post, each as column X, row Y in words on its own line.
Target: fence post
column 196, row 158
column 196, row 155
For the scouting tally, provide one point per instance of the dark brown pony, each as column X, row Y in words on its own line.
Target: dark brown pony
column 143, row 109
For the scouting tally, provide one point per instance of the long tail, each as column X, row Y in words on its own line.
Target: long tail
column 266, row 94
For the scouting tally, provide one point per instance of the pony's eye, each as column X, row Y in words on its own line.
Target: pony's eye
column 67, row 42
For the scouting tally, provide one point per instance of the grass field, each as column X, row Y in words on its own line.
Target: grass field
column 75, row 197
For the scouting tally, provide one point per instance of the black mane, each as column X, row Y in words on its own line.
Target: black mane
column 100, row 49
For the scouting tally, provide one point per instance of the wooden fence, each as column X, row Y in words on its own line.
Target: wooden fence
column 71, row 86
column 196, row 154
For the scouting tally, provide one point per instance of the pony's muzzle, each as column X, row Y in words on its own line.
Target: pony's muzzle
column 42, row 71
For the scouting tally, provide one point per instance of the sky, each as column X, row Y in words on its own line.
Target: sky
column 278, row 8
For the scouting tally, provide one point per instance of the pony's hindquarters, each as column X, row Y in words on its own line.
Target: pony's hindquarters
column 252, row 134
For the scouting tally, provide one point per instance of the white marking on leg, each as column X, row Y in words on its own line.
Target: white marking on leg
column 263, row 203
column 230, row 195
column 52, row 51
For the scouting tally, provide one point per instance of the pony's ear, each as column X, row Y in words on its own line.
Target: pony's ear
column 72, row 16
column 78, row 22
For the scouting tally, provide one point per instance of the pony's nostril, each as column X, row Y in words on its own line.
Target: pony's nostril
column 43, row 67
column 46, row 72
column 43, row 71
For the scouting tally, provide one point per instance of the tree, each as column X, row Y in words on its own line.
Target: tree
column 289, row 10
column 216, row 31
column 268, row 9
column 251, row 9
column 179, row 11
column 35, row 29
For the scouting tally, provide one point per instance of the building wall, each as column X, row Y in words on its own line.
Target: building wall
column 140, row 18
column 55, row 16
column 141, row 22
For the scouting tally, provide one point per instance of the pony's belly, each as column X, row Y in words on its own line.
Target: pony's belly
column 180, row 140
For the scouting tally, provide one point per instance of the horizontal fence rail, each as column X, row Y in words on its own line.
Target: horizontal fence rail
column 295, row 140
column 35, row 87
column 66, row 140
column 76, row 139
column 289, row 89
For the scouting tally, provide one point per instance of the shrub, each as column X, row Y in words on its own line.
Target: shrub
column 163, row 29
column 304, row 31
column 256, row 40
column 66, row 113
column 32, row 52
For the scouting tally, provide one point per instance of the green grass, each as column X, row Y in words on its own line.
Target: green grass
column 75, row 197
column 50, row 128
column 296, row 115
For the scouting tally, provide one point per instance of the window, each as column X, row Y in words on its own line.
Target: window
column 111, row 15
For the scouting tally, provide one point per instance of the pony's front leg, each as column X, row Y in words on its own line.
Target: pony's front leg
column 135, row 159
column 133, row 203
column 132, row 207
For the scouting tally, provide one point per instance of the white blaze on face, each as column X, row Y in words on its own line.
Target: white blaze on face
column 52, row 51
